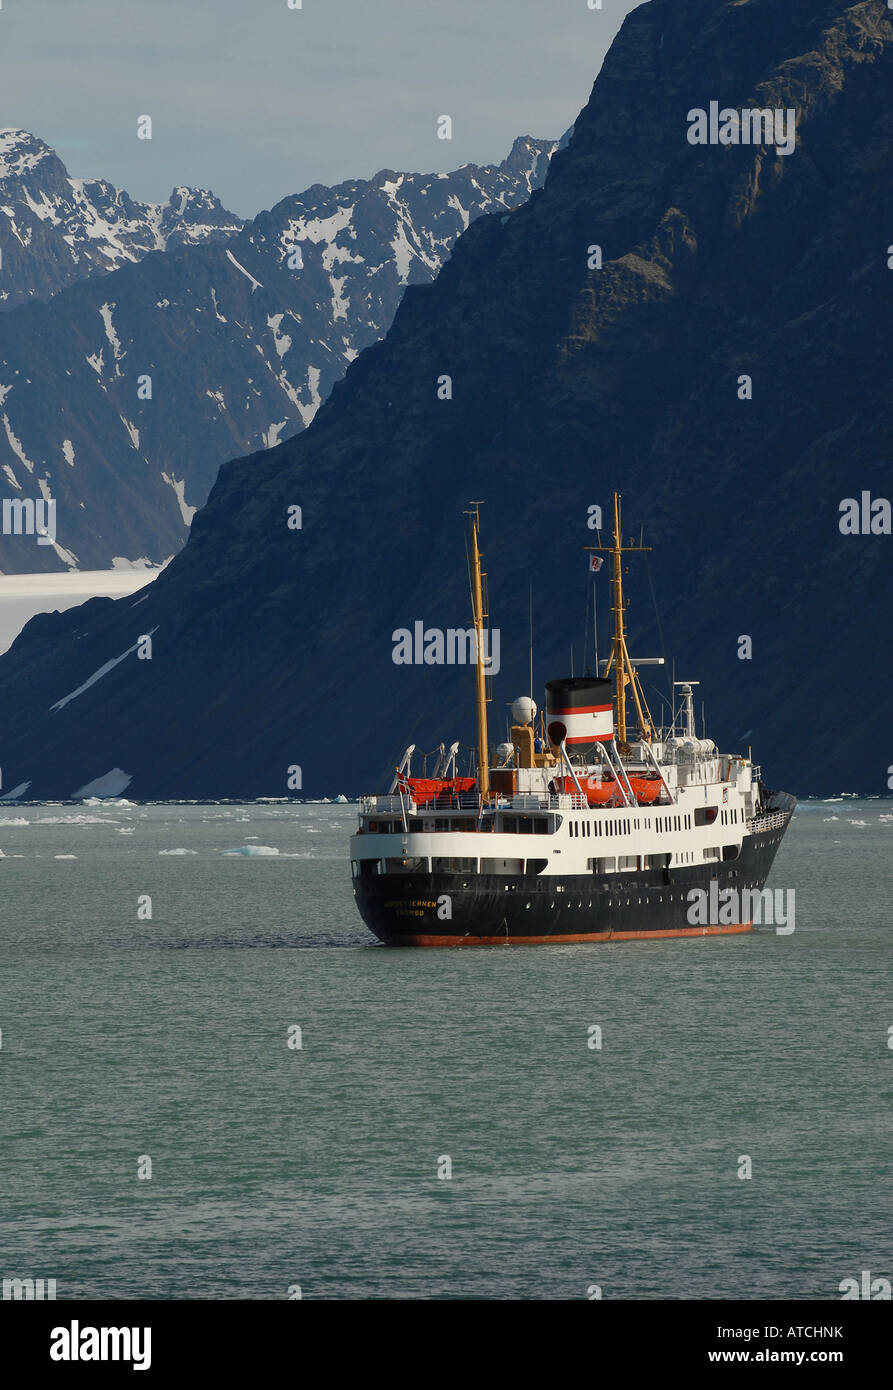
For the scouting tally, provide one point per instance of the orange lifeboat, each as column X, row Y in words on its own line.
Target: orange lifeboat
column 597, row 792
column 425, row 789
column 646, row 789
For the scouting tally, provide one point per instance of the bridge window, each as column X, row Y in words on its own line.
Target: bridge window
column 454, row 866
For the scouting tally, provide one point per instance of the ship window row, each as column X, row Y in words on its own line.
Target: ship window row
column 607, row 864
column 589, row 829
column 446, row 864
column 610, row 865
column 524, row 825
column 680, row 822
column 427, row 825
column 730, row 817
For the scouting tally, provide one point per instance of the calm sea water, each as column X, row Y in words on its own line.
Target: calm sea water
column 272, row 1167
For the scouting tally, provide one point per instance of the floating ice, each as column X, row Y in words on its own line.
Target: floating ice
column 65, row 856
column 256, row 850
column 74, row 820
column 178, row 851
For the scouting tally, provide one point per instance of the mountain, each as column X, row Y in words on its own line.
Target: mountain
column 56, row 230
column 121, row 396
column 272, row 646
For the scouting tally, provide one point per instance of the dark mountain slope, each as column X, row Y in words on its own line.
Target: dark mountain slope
column 273, row 647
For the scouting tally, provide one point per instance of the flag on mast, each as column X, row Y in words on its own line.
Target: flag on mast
column 595, row 563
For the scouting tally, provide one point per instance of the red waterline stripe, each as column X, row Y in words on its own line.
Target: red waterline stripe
column 570, row 939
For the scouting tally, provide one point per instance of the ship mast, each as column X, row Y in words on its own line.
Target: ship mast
column 477, row 603
column 625, row 674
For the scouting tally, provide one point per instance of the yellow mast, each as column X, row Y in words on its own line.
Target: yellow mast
column 625, row 673
column 477, row 603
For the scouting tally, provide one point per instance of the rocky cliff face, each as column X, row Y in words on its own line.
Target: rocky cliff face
column 272, row 646
column 121, row 396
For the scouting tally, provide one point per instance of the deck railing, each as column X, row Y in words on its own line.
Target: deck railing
column 470, row 801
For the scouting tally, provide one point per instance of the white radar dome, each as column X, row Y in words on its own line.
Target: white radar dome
column 523, row 710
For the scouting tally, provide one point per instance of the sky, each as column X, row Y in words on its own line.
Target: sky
column 257, row 100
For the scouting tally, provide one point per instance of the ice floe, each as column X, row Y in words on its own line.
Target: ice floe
column 258, row 851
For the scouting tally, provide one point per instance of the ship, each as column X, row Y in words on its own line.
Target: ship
column 594, row 824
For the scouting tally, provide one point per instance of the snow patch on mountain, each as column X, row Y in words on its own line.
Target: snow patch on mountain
column 281, row 340
column 16, row 445
column 114, row 341
column 71, row 228
column 132, row 431
column 20, row 152
column 110, row 784
column 255, row 284
column 272, row 436
column 91, row 680
column 179, row 487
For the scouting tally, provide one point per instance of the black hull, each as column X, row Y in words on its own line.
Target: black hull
column 521, row 909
